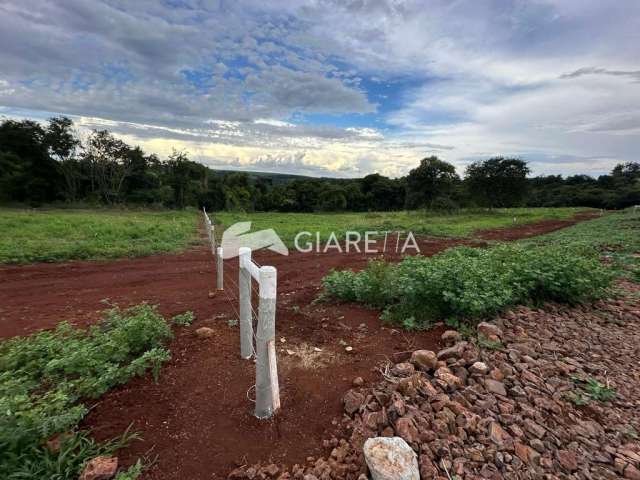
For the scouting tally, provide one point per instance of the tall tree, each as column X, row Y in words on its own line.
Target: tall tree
column 498, row 182
column 433, row 178
column 62, row 143
column 109, row 164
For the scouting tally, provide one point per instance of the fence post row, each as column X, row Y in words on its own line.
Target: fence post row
column 216, row 251
column 267, row 388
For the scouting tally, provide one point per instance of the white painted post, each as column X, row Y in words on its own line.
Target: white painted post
column 219, row 268
column 244, row 285
column 212, row 239
column 267, row 389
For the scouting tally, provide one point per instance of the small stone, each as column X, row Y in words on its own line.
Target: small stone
column 450, row 337
column 495, row 387
column 212, row 294
column 498, row 435
column 489, row 330
column 479, row 368
column 533, row 428
column 348, row 349
column 358, row 382
column 205, row 332
column 352, row 401
column 403, row 369
column 100, row 468
column 425, row 360
column 406, row 428
column 271, row 470
column 390, row 459
column 568, row 460
column 452, row 352
column 631, row 473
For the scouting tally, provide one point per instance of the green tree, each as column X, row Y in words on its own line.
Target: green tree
column 433, row 178
column 498, row 182
column 63, row 143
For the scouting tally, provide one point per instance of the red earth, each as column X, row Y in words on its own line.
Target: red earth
column 198, row 420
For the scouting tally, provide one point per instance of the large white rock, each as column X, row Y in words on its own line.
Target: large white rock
column 390, row 458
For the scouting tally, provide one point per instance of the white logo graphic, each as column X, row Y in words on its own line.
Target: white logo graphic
column 237, row 236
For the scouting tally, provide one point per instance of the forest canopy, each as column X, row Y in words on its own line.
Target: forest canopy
column 47, row 164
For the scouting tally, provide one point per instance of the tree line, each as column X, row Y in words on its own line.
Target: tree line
column 45, row 164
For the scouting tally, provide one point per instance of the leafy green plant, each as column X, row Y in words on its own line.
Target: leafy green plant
column 590, row 389
column 468, row 283
column 184, row 319
column 46, row 379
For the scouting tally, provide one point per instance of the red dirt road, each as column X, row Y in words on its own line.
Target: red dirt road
column 198, row 420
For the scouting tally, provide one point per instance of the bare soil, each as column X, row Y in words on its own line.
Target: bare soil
column 198, row 419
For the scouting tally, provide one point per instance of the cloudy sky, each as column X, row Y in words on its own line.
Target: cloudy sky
column 336, row 88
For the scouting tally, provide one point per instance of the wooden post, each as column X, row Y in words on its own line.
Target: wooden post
column 220, row 268
column 245, row 320
column 267, row 390
column 212, row 239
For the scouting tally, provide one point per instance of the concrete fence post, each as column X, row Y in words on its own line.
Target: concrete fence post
column 219, row 268
column 267, row 389
column 245, row 320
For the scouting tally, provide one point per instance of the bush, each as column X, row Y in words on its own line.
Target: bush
column 45, row 379
column 471, row 283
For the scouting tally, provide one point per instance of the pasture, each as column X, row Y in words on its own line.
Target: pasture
column 60, row 235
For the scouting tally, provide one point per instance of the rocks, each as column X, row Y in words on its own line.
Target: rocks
column 425, row 360
column 451, row 337
column 391, row 459
column 205, row 332
column 352, row 401
column 358, row 382
column 568, row 460
column 406, row 428
column 479, row 368
column 472, row 412
column 452, row 352
column 489, row 330
column 403, row 369
column 495, row 387
column 100, row 468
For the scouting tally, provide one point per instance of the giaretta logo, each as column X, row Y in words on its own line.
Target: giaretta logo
column 237, row 235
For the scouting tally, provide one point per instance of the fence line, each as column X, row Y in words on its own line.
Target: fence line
column 216, row 251
column 262, row 342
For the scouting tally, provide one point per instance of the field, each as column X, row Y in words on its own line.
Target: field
column 190, row 415
column 462, row 224
column 58, row 235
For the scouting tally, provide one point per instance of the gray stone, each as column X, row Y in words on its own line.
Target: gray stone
column 391, row 459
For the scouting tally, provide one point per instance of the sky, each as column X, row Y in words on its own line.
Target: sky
column 335, row 88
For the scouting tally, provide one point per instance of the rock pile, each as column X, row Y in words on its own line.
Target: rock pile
column 521, row 400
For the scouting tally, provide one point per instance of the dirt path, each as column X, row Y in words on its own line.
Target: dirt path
column 198, row 420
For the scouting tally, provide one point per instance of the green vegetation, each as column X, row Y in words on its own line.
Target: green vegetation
column 49, row 163
column 461, row 224
column 59, row 235
column 472, row 283
column 464, row 283
column 615, row 235
column 47, row 379
column 184, row 319
column 588, row 390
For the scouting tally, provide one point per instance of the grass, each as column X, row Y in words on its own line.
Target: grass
column 462, row 224
column 616, row 236
column 60, row 235
column 48, row 379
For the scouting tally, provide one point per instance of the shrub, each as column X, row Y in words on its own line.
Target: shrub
column 472, row 283
column 46, row 377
